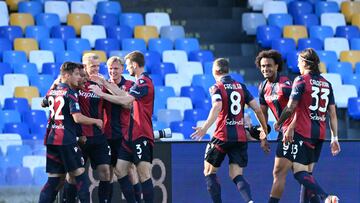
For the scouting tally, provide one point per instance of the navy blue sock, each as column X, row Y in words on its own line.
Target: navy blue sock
column 137, row 189
column 273, row 200
column 148, row 191
column 110, row 192
column 243, row 187
column 213, row 186
column 304, row 178
column 69, row 194
column 127, row 189
column 50, row 190
column 103, row 191
column 82, row 187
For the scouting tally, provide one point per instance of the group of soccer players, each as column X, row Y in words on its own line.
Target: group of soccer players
column 300, row 110
column 107, row 122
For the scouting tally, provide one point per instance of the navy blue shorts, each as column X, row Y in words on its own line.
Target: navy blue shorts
column 97, row 150
column 216, row 151
column 136, row 151
column 61, row 159
column 115, row 145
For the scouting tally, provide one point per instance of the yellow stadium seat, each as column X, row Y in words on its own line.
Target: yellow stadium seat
column 21, row 19
column 350, row 56
column 295, row 32
column 101, row 54
column 27, row 92
column 349, row 8
column 77, row 20
column 355, row 20
column 146, row 32
column 322, row 67
column 13, row 4
column 26, row 45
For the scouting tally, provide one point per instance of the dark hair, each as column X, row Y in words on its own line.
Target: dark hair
column 311, row 59
column 272, row 54
column 137, row 57
column 222, row 66
column 69, row 67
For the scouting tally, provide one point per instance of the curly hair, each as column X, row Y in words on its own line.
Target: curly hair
column 273, row 54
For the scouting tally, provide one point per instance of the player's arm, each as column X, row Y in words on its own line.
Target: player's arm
column 286, row 113
column 81, row 119
column 335, row 146
column 259, row 115
column 114, row 89
column 125, row 100
column 264, row 110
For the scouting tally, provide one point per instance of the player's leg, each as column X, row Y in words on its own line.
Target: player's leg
column 134, row 179
column 144, row 171
column 69, row 191
column 104, row 184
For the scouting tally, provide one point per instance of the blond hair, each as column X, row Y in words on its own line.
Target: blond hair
column 89, row 57
column 114, row 59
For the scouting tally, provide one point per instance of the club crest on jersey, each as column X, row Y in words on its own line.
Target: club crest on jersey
column 141, row 81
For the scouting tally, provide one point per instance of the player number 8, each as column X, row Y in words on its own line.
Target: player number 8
column 235, row 106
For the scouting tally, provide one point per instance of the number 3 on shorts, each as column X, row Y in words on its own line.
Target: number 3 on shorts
column 138, row 149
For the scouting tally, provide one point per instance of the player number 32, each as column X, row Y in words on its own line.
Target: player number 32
column 56, row 115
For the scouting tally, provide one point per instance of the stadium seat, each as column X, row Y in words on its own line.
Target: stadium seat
column 163, row 69
column 158, row 125
column 28, row 69
column 354, row 108
column 354, row 79
column 32, row 7
column 78, row 20
column 210, row 131
column 152, row 59
column 63, row 32
column 189, row 69
column 40, row 176
column 256, row 5
column 12, row 4
column 357, row 68
column 179, row 103
column 183, row 127
column 355, row 44
column 131, row 44
column 195, row 93
column 106, row 19
column 145, row 32
column 42, row 82
column 38, row 131
column 250, row 21
column 4, row 14
column 172, row 32
column 101, row 54
column 26, row 92
column 204, row 104
column 314, row 43
column 333, row 20
column 349, row 8
column 51, row 69
column 350, row 56
column 295, row 32
column 5, row 45
column 280, row 20
column 120, row 54
column 17, row 128
column 203, row 80
column 21, row 19
column 208, row 67
column 10, row 116
column 347, row 32
column 119, row 32
column 19, row 104
column 26, row 45
column 32, row 162
column 108, row 7
column 107, row 45
column 157, row 79
column 327, row 57
column 270, row 7
column 12, row 57
column 18, row 151
column 343, row 93
column 299, row 8
column 10, row 32
column 176, row 81
column 333, row 78
column 131, row 19
column 2, row 174
column 201, row 56
column 92, row 33
column 63, row 56
column 61, row 8
column 176, row 57
column 169, row 115
column 307, row 20
column 187, row 44
column 321, row 32
column 337, row 44
column 78, row 45
column 236, row 76
column 5, row 93
column 266, row 33
column 157, row 19
column 53, row 44
column 36, row 105
column 160, row 44
column 47, row 19
column 9, row 139
column 343, row 68
column 85, row 7
column 284, row 46
column 41, row 57
column 4, row 69
column 16, row 176
column 13, row 80
column 195, row 115
column 355, row 20
column 326, row 7
column 37, row 32
column 292, row 61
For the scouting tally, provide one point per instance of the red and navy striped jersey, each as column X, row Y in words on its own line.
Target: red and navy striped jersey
column 62, row 101
column 314, row 94
column 143, row 107
column 116, row 117
column 276, row 95
column 91, row 106
column 230, row 121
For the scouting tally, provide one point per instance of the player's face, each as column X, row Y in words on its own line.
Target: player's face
column 301, row 65
column 83, row 78
column 115, row 71
column 74, row 78
column 130, row 67
column 268, row 68
column 92, row 67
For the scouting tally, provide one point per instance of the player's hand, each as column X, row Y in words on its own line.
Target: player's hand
column 265, row 145
column 99, row 123
column 198, row 134
column 335, row 147
column 82, row 140
column 98, row 79
column 288, row 136
column 276, row 126
column 96, row 89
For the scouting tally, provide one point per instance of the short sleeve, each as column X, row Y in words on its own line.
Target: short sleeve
column 247, row 94
column 140, row 89
column 298, row 88
column 215, row 93
column 331, row 96
column 262, row 93
column 73, row 102
column 286, row 88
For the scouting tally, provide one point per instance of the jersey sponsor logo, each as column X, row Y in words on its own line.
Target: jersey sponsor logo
column 316, row 117
column 57, row 92
column 234, row 122
column 319, row 83
column 233, row 86
column 272, row 97
column 60, row 126
column 88, row 94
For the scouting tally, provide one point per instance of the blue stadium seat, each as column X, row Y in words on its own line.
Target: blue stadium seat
column 292, row 61
column 237, row 77
column 40, row 176
column 298, row 8
column 131, row 19
column 51, row 69
column 195, row 115
column 5, row 68
column 62, row 56
column 10, row 32
column 354, row 108
column 108, row 7
column 357, row 68
column 2, row 175
column 168, row 115
column 204, row 104
column 19, row 128
column 16, row 176
column 157, row 79
column 195, row 93
column 35, row 116
column 13, row 57
column 119, row 32
column 28, row 69
column 7, row 162
column 79, row 45
column 38, row 32
column 47, row 19
column 254, row 90
column 187, row 44
column 158, row 104
column 164, row 92
column 326, row 7
column 280, row 20
column 314, row 43
column 158, row 125
column 120, row 54
column 308, row 20
column 160, row 44
column 103, row 70
column 163, row 69
column 172, row 32
column 107, row 45
column 5, row 45
column 284, row 46
column 342, row 68
column 348, row 32
column 19, row 104
column 353, row 79
column 18, row 151
column 152, row 59
column 321, row 32
column 63, row 32
column 327, row 57
column 250, row 21
column 203, row 80
column 10, row 116
column 266, row 33
column 184, row 127
column 106, row 19
column 38, row 129
column 201, row 56
column 54, row 44
column 132, row 44
column 355, row 43
column 32, row 7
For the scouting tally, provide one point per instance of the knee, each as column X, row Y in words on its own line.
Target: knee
column 104, row 172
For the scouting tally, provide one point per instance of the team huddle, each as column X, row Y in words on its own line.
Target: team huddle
column 108, row 122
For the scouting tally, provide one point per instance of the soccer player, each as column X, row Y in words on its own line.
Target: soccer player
column 228, row 101
column 311, row 99
column 137, row 145
column 63, row 153
column 274, row 93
